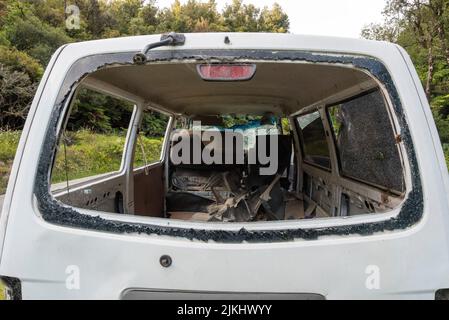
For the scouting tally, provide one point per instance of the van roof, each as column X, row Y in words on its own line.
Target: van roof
column 254, row 41
column 297, row 87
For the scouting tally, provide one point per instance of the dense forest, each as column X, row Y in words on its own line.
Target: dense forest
column 422, row 28
column 31, row 30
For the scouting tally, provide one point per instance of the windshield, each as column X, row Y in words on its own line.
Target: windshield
column 250, row 126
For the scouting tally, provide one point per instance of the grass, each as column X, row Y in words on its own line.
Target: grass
column 8, row 145
column 88, row 154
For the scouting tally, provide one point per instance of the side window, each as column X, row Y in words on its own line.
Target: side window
column 150, row 139
column 316, row 149
column 93, row 141
column 366, row 143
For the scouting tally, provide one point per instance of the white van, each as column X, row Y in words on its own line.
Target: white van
column 351, row 202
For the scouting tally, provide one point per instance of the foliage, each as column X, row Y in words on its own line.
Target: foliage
column 93, row 154
column 16, row 94
column 152, row 148
column 8, row 144
column 31, row 30
column 422, row 28
column 99, row 113
column 88, row 154
column 104, row 114
column 154, row 124
column 27, row 32
column 20, row 61
column 248, row 18
column 286, row 128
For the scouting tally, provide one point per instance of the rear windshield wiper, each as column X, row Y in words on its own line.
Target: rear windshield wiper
column 169, row 39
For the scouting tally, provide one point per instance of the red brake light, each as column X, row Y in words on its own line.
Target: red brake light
column 226, row 72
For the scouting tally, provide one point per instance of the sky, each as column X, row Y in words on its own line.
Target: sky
column 341, row 18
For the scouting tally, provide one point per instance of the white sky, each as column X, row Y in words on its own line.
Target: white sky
column 344, row 18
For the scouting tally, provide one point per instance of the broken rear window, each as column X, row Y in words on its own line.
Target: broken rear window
column 219, row 192
column 365, row 141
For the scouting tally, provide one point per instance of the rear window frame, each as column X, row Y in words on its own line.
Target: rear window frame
column 409, row 214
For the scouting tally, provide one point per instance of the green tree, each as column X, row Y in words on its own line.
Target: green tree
column 16, row 94
column 122, row 12
column 50, row 11
column 422, row 28
column 193, row 16
column 20, row 61
column 26, row 32
column 273, row 20
column 240, row 17
column 147, row 20
column 31, row 30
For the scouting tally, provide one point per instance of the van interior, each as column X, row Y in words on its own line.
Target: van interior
column 329, row 129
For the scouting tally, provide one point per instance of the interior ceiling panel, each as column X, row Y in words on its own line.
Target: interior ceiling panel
column 278, row 87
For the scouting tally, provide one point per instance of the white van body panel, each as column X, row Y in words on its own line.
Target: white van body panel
column 410, row 264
